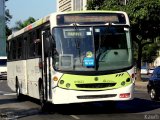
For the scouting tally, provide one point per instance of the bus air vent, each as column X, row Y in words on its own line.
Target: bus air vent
column 96, row 85
column 119, row 75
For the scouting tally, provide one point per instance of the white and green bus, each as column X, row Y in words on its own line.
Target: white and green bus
column 73, row 57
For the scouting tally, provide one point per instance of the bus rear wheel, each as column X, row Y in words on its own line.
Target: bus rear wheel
column 19, row 95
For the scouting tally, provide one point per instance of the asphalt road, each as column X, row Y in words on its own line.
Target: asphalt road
column 140, row 108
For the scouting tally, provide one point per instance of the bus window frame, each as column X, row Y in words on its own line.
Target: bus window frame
column 37, row 42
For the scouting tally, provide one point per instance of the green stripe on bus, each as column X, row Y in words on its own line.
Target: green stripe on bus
column 102, row 82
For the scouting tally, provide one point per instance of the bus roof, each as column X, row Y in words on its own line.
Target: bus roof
column 91, row 11
column 31, row 26
column 47, row 18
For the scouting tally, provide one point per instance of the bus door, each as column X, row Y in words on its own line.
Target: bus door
column 34, row 72
column 46, row 59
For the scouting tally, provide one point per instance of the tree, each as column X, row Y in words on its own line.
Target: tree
column 144, row 17
column 94, row 4
column 8, row 17
column 20, row 24
column 149, row 52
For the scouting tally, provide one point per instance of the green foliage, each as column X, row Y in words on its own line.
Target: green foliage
column 8, row 31
column 145, row 26
column 149, row 52
column 144, row 17
column 95, row 4
column 20, row 24
column 8, row 17
column 112, row 5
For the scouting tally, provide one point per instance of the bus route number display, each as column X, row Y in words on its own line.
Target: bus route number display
column 69, row 33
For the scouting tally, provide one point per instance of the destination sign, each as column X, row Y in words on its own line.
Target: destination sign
column 79, row 19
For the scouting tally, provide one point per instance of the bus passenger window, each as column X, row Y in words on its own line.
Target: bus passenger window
column 34, row 45
column 38, row 42
column 31, row 45
column 38, row 47
column 13, row 49
column 9, row 50
column 19, row 48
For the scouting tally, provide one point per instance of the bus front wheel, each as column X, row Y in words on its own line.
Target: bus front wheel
column 153, row 94
column 41, row 97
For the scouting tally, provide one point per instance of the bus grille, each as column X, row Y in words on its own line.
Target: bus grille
column 96, row 85
column 96, row 96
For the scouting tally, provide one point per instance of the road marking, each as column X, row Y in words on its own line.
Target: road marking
column 75, row 117
column 7, row 94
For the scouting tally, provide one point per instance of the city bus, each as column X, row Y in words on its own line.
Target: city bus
column 73, row 57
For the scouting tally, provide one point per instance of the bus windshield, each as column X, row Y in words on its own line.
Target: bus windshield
column 98, row 48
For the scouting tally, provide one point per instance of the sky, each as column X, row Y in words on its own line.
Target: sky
column 23, row 9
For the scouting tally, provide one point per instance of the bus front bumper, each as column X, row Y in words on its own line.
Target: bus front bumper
column 65, row 96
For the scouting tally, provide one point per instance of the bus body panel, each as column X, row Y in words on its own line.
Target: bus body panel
column 99, row 82
column 17, row 71
column 33, row 75
column 27, row 73
column 63, row 96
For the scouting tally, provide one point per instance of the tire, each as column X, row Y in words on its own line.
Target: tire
column 41, row 97
column 152, row 94
column 19, row 95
